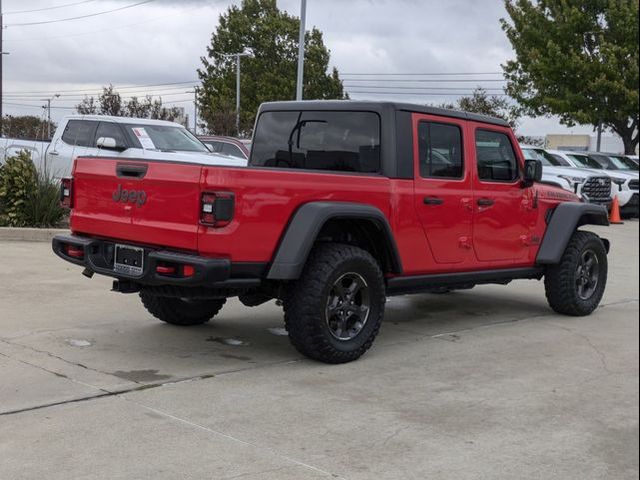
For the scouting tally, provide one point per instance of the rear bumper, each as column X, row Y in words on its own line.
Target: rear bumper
column 98, row 257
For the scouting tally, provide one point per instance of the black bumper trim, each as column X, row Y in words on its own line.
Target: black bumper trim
column 208, row 272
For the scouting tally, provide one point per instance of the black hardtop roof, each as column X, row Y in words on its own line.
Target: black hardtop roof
column 357, row 105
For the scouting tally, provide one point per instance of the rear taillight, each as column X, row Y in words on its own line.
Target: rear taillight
column 66, row 193
column 75, row 252
column 175, row 270
column 216, row 209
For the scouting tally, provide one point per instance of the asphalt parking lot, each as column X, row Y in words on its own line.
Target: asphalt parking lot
column 481, row 384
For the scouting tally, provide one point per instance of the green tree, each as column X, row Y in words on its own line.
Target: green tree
column 269, row 74
column 110, row 103
column 483, row 103
column 577, row 59
column 28, row 127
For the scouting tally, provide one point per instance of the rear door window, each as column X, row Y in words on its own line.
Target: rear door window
column 232, row 150
column 333, row 141
column 79, row 133
column 111, row 130
column 497, row 161
column 440, row 150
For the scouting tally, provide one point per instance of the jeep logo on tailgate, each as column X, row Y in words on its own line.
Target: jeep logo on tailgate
column 139, row 197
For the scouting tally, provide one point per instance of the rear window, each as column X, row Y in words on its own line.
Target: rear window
column 79, row 133
column 333, row 141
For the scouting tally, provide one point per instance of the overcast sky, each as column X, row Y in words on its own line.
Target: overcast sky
column 162, row 41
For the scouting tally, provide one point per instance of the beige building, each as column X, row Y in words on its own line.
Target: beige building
column 609, row 143
column 568, row 142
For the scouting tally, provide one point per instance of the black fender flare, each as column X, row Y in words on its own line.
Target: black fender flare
column 305, row 225
column 566, row 218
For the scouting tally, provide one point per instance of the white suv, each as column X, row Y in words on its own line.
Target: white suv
column 623, row 175
column 592, row 186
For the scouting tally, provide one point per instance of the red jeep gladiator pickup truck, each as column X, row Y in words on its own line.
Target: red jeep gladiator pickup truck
column 343, row 204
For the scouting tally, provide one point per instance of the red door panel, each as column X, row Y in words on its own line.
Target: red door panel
column 503, row 220
column 442, row 201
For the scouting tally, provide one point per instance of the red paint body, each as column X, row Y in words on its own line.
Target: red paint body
column 456, row 236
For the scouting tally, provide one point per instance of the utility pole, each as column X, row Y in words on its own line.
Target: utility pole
column 238, row 94
column 303, row 20
column 1, row 56
column 48, row 107
column 599, row 142
column 238, row 56
column 195, row 108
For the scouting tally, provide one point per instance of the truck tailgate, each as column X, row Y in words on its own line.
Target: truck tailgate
column 139, row 201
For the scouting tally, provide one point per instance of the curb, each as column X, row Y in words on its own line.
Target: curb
column 11, row 234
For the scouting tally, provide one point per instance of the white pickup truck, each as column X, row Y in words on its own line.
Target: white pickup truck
column 99, row 135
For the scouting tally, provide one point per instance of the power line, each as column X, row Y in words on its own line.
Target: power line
column 89, row 91
column 28, row 24
column 420, row 94
column 401, row 87
column 15, row 12
column 420, row 74
column 93, row 32
column 430, row 80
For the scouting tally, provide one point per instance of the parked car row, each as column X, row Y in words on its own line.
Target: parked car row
column 597, row 177
column 120, row 137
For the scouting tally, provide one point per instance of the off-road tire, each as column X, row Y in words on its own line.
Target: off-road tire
column 182, row 312
column 305, row 305
column 560, row 280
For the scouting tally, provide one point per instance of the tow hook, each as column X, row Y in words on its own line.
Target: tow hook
column 124, row 286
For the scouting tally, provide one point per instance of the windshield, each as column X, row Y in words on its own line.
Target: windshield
column 623, row 163
column 547, row 159
column 164, row 138
column 584, row 161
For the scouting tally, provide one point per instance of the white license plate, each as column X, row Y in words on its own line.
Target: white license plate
column 129, row 260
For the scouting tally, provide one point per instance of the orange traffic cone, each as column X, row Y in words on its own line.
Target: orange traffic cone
column 614, row 217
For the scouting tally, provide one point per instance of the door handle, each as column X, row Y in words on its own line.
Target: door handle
column 54, row 154
column 485, row 202
column 131, row 171
column 432, row 201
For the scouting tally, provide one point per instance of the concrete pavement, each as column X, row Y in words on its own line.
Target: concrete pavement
column 481, row 384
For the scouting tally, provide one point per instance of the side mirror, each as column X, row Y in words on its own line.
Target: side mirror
column 532, row 172
column 109, row 143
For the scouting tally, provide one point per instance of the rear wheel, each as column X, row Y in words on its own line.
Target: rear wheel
column 335, row 309
column 576, row 285
column 181, row 311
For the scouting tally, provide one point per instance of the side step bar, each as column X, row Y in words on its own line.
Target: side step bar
column 422, row 283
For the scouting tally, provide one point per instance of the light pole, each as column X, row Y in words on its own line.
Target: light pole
column 195, row 108
column 48, row 107
column 2, row 54
column 303, row 20
column 238, row 56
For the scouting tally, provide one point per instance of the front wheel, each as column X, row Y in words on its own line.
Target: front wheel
column 576, row 285
column 335, row 309
column 181, row 311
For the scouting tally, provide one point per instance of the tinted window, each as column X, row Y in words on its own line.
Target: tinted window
column 79, row 133
column 496, row 157
column 233, row 150
column 110, row 130
column 164, row 138
column 585, row 161
column 605, row 162
column 215, row 146
column 440, row 150
column 337, row 141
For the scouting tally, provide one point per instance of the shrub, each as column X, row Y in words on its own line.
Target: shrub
column 28, row 198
